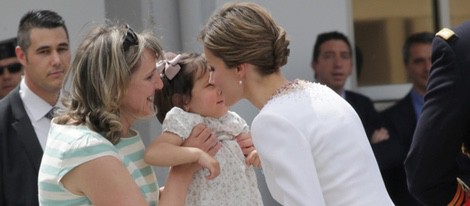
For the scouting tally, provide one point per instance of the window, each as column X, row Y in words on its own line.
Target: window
column 380, row 29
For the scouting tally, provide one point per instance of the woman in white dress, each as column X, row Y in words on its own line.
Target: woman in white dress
column 313, row 148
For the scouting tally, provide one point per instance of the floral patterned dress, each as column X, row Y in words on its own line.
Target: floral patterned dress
column 236, row 184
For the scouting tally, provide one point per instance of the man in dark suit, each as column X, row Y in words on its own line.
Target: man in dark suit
column 400, row 119
column 438, row 163
column 43, row 50
column 332, row 65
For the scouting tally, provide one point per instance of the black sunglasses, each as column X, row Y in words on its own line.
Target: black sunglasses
column 12, row 68
column 130, row 39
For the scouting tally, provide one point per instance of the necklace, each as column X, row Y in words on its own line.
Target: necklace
column 284, row 89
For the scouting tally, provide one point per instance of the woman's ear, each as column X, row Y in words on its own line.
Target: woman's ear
column 242, row 69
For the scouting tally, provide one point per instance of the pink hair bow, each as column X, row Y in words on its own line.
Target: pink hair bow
column 169, row 68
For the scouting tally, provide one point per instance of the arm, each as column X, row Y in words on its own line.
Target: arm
column 202, row 137
column 431, row 165
column 177, row 185
column 180, row 177
column 165, row 150
column 105, row 181
column 287, row 161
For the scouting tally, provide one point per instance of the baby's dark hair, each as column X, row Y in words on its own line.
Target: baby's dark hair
column 177, row 91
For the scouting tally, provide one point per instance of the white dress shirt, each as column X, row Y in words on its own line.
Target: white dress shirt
column 36, row 108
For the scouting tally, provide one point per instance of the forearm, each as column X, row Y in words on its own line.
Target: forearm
column 177, row 185
column 167, row 154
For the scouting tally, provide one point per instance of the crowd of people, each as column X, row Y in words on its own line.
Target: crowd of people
column 75, row 145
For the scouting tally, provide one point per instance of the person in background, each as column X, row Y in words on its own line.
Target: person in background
column 332, row 65
column 188, row 98
column 93, row 157
column 401, row 118
column 438, row 163
column 10, row 67
column 43, row 51
column 312, row 145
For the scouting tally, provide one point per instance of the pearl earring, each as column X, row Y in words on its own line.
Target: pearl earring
column 240, row 82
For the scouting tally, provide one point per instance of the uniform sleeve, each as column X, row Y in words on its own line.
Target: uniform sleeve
column 180, row 122
column 431, row 165
column 287, row 161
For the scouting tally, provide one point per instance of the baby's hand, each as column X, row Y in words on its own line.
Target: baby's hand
column 211, row 164
column 245, row 142
column 253, row 159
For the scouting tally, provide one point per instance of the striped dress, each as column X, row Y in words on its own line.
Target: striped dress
column 70, row 146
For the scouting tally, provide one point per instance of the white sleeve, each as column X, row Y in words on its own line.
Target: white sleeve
column 287, row 160
column 180, row 122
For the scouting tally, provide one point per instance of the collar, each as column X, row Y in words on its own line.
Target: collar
column 34, row 105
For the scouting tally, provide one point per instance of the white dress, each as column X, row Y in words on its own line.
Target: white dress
column 236, row 184
column 314, row 150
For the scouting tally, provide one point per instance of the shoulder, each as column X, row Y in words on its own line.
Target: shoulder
column 78, row 141
column 359, row 102
column 11, row 107
column 357, row 96
column 458, row 38
column 10, row 100
column 178, row 113
column 181, row 122
column 70, row 146
column 400, row 105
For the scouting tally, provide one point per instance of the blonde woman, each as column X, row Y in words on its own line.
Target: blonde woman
column 93, row 157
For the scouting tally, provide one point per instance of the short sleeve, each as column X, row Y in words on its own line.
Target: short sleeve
column 84, row 149
column 241, row 125
column 180, row 122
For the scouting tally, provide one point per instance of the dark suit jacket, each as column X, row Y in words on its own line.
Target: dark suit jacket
column 400, row 121
column 431, row 165
column 365, row 109
column 20, row 154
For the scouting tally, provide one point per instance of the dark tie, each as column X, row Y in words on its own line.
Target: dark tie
column 50, row 114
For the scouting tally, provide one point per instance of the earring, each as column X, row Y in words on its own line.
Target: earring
column 240, row 82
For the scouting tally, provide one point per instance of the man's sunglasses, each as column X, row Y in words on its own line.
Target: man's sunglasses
column 12, row 68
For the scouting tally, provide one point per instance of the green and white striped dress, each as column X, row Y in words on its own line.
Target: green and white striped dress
column 70, row 146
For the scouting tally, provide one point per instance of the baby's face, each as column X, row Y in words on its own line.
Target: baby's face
column 207, row 99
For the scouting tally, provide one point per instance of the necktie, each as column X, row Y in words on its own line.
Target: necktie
column 50, row 114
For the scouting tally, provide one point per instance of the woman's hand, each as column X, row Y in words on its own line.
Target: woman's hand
column 211, row 164
column 202, row 138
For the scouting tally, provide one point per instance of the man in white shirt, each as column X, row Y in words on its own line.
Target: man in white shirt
column 43, row 50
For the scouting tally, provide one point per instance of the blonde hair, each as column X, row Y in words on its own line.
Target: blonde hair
column 100, row 74
column 246, row 33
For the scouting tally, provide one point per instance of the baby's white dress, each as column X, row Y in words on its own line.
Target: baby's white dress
column 236, row 184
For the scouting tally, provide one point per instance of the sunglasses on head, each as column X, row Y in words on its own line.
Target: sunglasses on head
column 12, row 68
column 130, row 39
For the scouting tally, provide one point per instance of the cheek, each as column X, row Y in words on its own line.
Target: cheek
column 218, row 80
